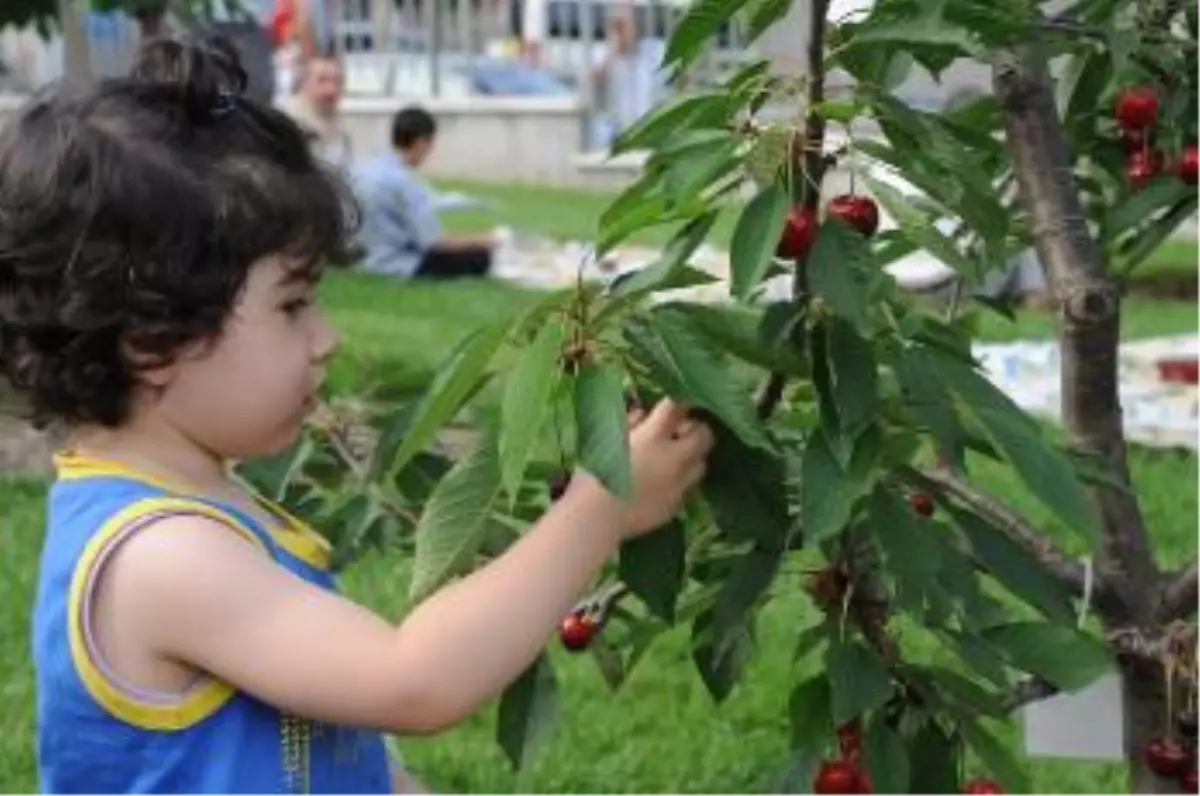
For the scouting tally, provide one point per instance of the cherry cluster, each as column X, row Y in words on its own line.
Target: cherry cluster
column 848, row 773
column 1136, row 114
column 1170, row 757
column 801, row 226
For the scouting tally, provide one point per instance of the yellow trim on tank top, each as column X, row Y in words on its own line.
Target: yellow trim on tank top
column 298, row 539
column 192, row 707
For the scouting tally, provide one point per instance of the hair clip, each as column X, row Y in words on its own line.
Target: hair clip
column 225, row 104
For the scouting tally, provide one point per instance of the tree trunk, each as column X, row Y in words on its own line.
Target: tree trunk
column 151, row 24
column 1144, row 697
column 1089, row 321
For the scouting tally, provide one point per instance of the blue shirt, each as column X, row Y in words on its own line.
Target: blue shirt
column 399, row 222
column 99, row 734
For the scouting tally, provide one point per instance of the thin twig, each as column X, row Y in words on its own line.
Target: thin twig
column 341, row 447
column 1016, row 527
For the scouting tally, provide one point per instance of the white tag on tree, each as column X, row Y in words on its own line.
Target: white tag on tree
column 1088, row 724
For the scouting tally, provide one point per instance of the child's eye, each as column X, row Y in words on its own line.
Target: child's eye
column 295, row 306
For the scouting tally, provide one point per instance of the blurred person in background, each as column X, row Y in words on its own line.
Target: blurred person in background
column 316, row 107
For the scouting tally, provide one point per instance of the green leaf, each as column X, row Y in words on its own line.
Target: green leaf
column 1135, row 208
column 811, row 711
column 740, row 595
column 762, row 14
column 719, row 672
column 689, row 174
column 919, row 228
column 755, row 237
column 853, row 376
column 828, row 493
column 652, row 566
column 603, row 446
column 935, row 761
column 843, row 111
column 928, row 29
column 835, row 273
column 736, row 329
column 690, row 369
column 272, row 476
column 526, row 713
column 455, row 382
column 456, row 519
column 913, row 555
column 662, row 272
column 1147, row 240
column 697, row 27
column 1084, row 78
column 1014, row 567
column 1007, row 770
column 971, row 698
column 929, row 405
column 1046, row 470
column 527, row 401
column 746, row 490
column 858, row 680
column 645, row 192
column 886, row 757
column 702, row 110
column 1063, row 656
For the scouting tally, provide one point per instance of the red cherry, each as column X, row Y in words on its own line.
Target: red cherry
column 921, row 504
column 865, row 784
column 859, row 212
column 1186, row 166
column 1167, row 757
column 836, row 776
column 1137, row 108
column 982, row 785
column 1143, row 167
column 1136, row 140
column 799, row 234
column 577, row 631
column 827, row 587
column 1188, row 783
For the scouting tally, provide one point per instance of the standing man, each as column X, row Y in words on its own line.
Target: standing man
column 316, row 107
column 400, row 231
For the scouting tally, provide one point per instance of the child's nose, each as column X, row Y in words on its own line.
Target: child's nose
column 326, row 340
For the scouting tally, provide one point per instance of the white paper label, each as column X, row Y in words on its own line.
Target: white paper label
column 1087, row 724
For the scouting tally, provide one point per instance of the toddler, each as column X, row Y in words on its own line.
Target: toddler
column 161, row 241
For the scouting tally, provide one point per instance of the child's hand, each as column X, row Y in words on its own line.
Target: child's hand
column 668, row 452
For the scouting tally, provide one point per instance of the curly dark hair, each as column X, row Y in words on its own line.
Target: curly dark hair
column 130, row 213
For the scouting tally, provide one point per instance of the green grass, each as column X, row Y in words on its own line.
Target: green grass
column 660, row 733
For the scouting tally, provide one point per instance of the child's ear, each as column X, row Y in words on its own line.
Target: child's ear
column 149, row 368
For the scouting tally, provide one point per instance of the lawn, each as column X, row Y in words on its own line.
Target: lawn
column 660, row 733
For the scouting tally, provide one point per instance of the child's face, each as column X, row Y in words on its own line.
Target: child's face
column 247, row 394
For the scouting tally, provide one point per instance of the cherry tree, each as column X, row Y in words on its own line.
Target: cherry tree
column 851, row 417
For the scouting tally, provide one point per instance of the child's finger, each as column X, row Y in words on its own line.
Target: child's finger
column 698, row 439
column 666, row 416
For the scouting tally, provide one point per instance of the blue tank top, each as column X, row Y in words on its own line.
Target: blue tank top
column 98, row 735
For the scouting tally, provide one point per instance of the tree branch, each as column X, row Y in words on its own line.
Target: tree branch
column 1089, row 319
column 1179, row 594
column 812, row 171
column 1013, row 525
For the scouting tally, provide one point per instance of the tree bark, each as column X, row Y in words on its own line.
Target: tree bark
column 1089, row 315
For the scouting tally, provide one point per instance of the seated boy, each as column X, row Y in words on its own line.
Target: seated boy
column 400, row 232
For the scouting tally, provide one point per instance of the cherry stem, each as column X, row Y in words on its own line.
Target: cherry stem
column 1169, row 665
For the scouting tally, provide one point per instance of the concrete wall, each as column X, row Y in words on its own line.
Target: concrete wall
column 491, row 139
column 485, row 138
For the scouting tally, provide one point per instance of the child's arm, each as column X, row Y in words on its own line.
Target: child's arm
column 212, row 601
